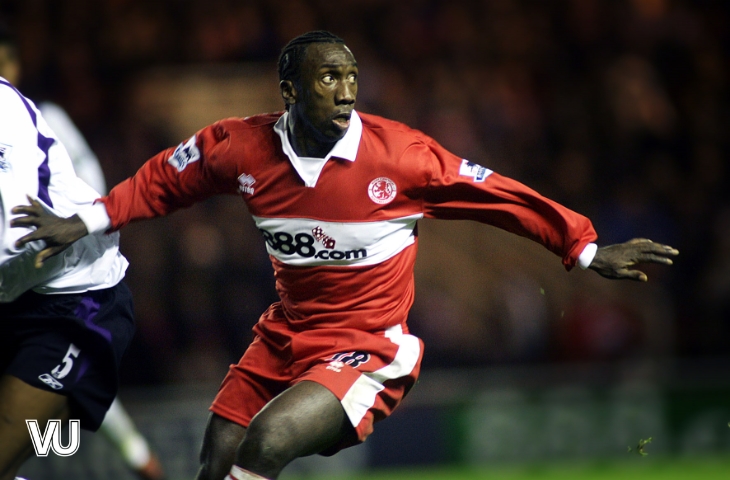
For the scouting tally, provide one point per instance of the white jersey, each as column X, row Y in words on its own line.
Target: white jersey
column 34, row 163
column 85, row 163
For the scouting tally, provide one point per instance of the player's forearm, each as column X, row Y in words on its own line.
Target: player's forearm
column 150, row 193
column 510, row 205
column 158, row 189
column 560, row 229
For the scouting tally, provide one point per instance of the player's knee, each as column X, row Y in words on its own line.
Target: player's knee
column 214, row 465
column 217, row 453
column 269, row 445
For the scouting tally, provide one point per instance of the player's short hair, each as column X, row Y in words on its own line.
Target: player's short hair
column 292, row 55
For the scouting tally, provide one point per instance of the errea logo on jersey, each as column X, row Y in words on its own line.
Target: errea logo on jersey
column 246, row 180
column 184, row 154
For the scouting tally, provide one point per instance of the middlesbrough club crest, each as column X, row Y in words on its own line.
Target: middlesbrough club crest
column 382, row 190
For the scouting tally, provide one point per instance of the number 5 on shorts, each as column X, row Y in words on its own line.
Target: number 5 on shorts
column 67, row 364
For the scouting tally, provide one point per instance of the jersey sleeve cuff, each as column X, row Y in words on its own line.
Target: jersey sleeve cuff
column 587, row 255
column 95, row 218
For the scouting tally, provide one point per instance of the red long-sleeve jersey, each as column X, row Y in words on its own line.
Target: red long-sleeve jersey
column 341, row 231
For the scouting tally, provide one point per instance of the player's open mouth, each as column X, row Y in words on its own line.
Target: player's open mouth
column 342, row 121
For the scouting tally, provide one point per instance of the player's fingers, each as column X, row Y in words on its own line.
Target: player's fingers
column 662, row 249
column 34, row 207
column 637, row 275
column 40, row 258
column 32, row 236
column 641, row 249
column 24, row 222
column 47, row 253
column 634, row 241
column 25, row 210
column 655, row 259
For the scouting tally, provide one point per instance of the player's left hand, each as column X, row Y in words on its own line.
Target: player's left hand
column 613, row 261
column 58, row 233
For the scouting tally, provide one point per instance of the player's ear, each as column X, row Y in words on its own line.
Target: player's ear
column 288, row 92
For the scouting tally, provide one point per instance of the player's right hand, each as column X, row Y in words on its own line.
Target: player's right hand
column 615, row 261
column 58, row 233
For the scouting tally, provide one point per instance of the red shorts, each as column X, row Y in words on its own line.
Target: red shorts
column 369, row 372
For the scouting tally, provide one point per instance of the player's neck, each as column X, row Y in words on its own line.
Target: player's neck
column 307, row 142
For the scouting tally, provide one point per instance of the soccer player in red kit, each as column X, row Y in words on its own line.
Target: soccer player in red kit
column 336, row 195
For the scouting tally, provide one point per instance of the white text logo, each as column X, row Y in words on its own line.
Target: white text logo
column 51, row 438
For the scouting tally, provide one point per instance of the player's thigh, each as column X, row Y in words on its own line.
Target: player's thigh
column 19, row 402
column 304, row 419
column 220, row 442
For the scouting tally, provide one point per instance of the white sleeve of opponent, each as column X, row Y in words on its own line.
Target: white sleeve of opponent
column 95, row 218
column 85, row 163
column 587, row 255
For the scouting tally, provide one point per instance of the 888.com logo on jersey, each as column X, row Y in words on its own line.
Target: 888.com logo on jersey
column 317, row 245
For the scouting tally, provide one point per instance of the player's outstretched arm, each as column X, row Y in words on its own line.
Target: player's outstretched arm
column 58, row 233
column 614, row 261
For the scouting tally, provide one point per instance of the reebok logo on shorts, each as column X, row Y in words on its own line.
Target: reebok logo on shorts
column 50, row 381
column 62, row 369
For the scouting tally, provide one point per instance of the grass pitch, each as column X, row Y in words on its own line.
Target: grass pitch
column 646, row 468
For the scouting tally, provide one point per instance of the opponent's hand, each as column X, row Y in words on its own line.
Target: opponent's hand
column 58, row 233
column 613, row 261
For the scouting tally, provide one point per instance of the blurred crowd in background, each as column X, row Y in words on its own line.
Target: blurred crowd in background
column 618, row 109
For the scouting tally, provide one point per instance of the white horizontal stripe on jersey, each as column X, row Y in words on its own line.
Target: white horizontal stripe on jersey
column 307, row 242
column 361, row 396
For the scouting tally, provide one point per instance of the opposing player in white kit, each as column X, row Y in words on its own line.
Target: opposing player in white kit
column 337, row 195
column 117, row 426
column 66, row 324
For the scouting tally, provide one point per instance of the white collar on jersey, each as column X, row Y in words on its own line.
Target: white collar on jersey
column 309, row 168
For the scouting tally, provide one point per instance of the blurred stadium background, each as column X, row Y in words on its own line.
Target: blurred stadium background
column 616, row 108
